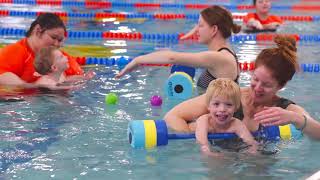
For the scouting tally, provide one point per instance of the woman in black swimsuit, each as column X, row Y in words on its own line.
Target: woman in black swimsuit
column 213, row 29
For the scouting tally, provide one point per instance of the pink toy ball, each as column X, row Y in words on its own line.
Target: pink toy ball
column 156, row 100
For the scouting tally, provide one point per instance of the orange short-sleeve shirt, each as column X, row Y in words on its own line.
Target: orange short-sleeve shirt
column 270, row 19
column 18, row 58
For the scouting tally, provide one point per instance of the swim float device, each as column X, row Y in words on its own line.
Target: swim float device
column 180, row 83
column 191, row 71
column 153, row 133
column 179, row 86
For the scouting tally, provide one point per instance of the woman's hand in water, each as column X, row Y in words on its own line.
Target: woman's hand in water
column 274, row 116
column 205, row 149
column 129, row 67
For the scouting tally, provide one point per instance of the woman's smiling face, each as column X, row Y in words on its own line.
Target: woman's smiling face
column 263, row 85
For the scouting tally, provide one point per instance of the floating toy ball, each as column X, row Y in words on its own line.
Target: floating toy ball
column 152, row 133
column 122, row 62
column 189, row 70
column 156, row 100
column 111, row 98
column 179, row 86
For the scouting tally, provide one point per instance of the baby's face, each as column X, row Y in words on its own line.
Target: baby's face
column 60, row 60
column 221, row 109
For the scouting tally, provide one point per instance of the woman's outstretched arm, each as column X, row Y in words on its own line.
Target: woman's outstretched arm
column 204, row 59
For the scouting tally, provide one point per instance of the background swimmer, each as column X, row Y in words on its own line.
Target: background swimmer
column 261, row 19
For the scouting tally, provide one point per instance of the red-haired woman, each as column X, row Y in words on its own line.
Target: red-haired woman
column 260, row 103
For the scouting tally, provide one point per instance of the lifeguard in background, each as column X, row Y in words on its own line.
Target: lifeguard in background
column 261, row 20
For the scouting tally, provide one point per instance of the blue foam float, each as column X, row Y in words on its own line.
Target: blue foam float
column 179, row 86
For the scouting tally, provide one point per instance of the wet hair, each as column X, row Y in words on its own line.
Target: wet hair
column 217, row 15
column 46, row 21
column 254, row 2
column 281, row 60
column 224, row 87
column 44, row 60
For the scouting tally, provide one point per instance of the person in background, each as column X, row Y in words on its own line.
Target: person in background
column 260, row 104
column 16, row 60
column 261, row 19
column 214, row 27
column 223, row 100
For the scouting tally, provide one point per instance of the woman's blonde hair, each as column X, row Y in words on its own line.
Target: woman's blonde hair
column 224, row 87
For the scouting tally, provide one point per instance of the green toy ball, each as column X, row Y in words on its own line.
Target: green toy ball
column 111, row 98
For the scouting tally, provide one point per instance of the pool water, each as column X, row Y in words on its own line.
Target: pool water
column 75, row 135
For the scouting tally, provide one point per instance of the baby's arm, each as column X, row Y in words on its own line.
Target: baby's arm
column 202, row 135
column 48, row 83
column 76, row 78
column 44, row 81
column 242, row 131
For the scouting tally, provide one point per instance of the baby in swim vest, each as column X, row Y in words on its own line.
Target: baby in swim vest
column 223, row 100
column 50, row 64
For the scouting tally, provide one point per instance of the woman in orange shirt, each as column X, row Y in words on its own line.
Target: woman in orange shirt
column 16, row 60
column 261, row 20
